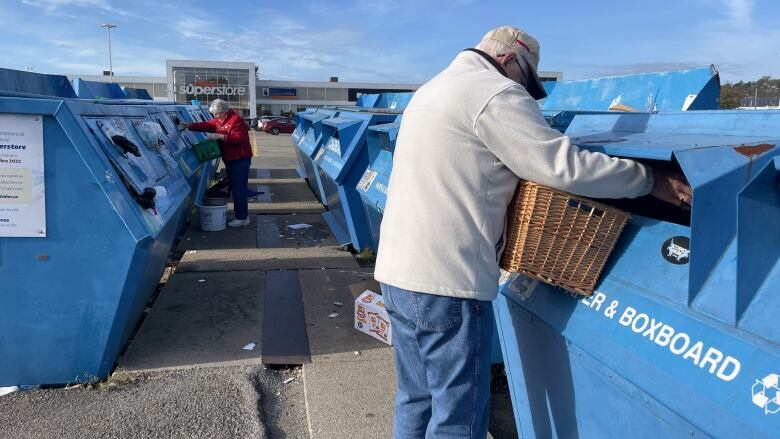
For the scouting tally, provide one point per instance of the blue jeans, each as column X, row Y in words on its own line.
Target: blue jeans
column 238, row 177
column 442, row 360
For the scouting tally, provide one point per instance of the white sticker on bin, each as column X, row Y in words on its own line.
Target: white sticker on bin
column 365, row 182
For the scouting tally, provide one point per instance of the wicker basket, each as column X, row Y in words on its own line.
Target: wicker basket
column 559, row 238
column 208, row 150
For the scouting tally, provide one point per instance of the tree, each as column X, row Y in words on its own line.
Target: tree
column 729, row 97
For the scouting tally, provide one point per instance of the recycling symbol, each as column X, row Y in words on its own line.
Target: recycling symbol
column 766, row 393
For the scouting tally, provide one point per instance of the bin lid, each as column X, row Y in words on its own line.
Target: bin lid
column 17, row 81
column 676, row 90
column 137, row 93
column 98, row 90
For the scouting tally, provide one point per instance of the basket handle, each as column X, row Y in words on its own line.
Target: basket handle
column 593, row 211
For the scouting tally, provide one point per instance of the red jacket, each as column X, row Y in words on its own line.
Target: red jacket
column 236, row 144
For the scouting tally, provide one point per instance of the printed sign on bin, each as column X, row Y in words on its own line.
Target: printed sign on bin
column 371, row 317
column 22, row 190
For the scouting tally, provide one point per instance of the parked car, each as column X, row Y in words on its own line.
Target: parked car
column 260, row 125
column 280, row 125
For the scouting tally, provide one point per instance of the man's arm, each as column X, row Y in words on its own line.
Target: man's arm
column 512, row 127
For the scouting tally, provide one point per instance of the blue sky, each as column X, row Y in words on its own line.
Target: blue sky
column 405, row 41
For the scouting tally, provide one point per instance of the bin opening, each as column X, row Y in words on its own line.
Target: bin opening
column 651, row 207
column 162, row 125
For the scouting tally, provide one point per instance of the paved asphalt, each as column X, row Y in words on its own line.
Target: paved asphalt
column 224, row 402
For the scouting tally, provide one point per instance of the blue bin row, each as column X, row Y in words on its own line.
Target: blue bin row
column 120, row 181
column 336, row 147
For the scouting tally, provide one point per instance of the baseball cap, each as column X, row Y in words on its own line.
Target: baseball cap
column 526, row 48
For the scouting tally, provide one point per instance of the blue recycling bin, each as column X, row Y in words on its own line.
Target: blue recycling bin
column 98, row 90
column 309, row 144
column 679, row 339
column 677, row 90
column 72, row 295
column 341, row 161
column 137, row 93
column 394, row 101
column 296, row 137
column 367, row 100
column 17, row 82
column 372, row 186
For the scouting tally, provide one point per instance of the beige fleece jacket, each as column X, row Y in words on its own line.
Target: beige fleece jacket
column 466, row 139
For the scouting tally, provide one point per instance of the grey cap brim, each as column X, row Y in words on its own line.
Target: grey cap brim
column 535, row 87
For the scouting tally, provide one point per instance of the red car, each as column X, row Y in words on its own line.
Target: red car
column 281, row 125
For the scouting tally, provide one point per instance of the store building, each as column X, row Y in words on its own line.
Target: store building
column 238, row 84
column 233, row 82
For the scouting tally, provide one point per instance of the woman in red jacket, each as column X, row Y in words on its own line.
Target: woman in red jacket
column 230, row 130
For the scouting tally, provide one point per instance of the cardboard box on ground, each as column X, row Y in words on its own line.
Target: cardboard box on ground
column 370, row 315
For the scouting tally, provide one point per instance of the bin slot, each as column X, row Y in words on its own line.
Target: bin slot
column 312, row 129
column 153, row 138
column 651, row 207
column 191, row 137
column 196, row 116
column 175, row 142
column 137, row 171
column 340, row 137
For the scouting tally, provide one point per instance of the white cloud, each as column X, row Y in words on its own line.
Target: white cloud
column 79, row 68
column 738, row 44
column 738, row 12
column 52, row 6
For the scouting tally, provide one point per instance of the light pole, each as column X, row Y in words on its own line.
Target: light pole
column 108, row 27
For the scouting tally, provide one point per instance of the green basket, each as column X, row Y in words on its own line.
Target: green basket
column 208, row 150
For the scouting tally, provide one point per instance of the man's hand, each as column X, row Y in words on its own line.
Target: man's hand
column 215, row 136
column 670, row 186
column 183, row 126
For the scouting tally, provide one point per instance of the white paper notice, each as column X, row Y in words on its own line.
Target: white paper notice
column 22, row 193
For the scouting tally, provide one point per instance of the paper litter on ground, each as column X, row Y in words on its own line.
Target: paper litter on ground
column 299, row 226
column 6, row 390
column 335, row 314
column 288, row 380
column 250, row 347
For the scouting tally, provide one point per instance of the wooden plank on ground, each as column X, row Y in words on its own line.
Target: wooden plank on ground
column 285, row 340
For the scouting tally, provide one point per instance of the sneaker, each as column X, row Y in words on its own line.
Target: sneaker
column 238, row 223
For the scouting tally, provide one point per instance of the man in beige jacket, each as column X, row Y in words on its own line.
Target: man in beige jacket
column 467, row 137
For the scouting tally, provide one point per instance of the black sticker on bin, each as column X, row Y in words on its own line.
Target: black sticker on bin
column 677, row 250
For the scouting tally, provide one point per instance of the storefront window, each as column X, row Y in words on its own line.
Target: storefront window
column 205, row 85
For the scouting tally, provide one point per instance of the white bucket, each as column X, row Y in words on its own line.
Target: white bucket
column 212, row 214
